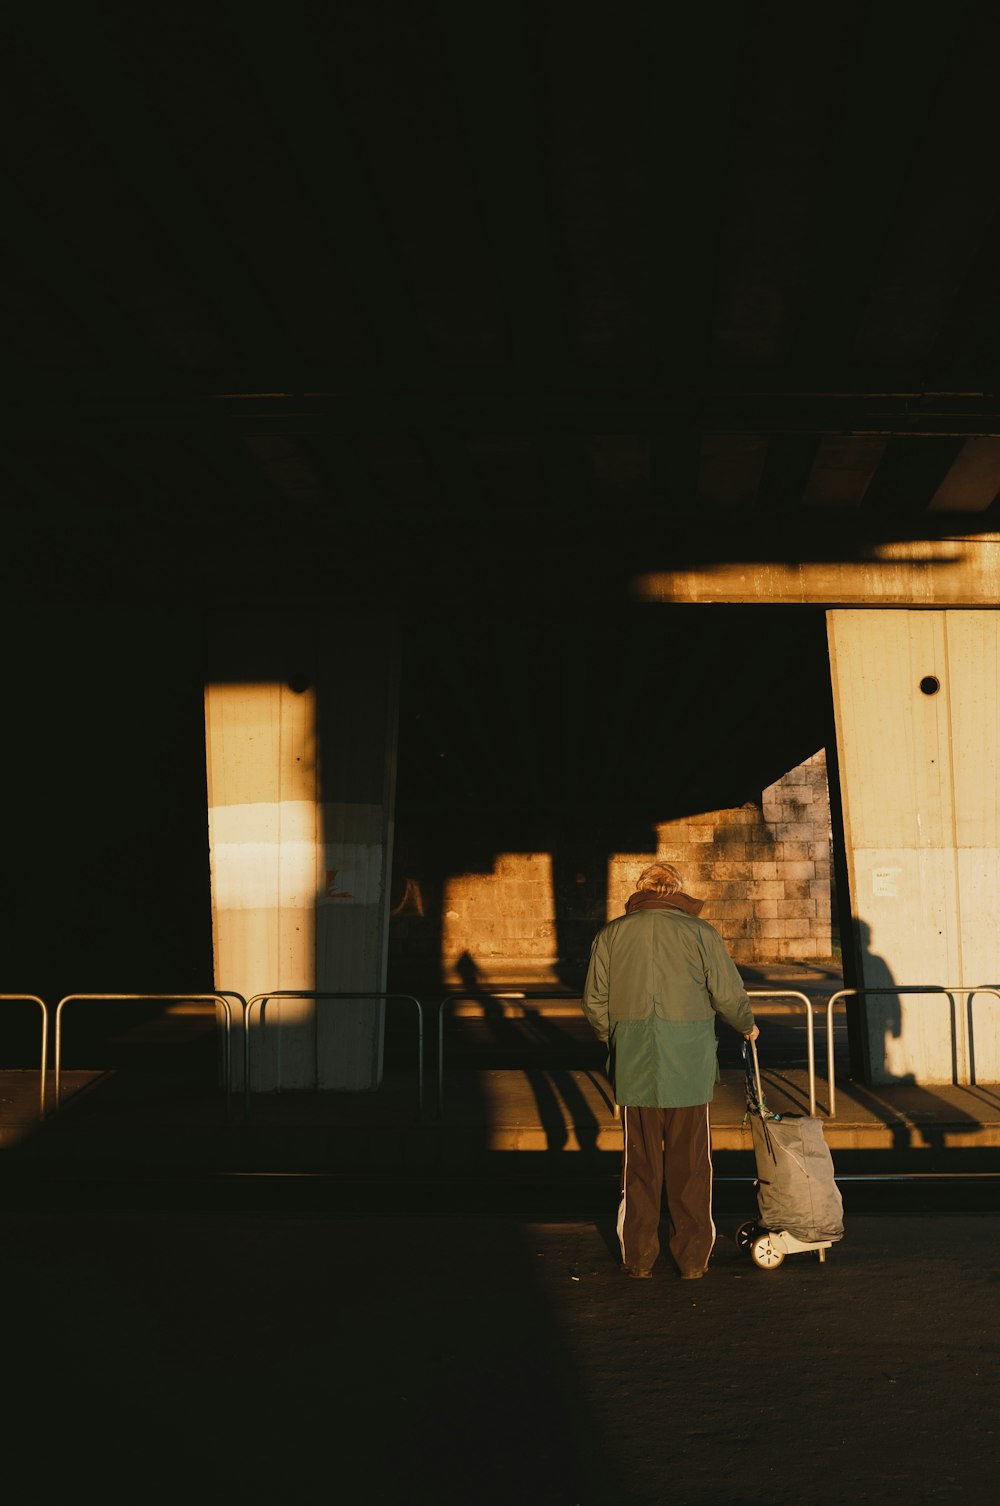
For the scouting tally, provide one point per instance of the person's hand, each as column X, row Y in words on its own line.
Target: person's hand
column 752, row 1035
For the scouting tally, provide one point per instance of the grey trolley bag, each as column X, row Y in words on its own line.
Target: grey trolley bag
column 799, row 1202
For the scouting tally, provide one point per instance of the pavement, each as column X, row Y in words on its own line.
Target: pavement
column 420, row 1300
column 205, row 1355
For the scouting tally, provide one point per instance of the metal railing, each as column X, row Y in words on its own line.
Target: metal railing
column 939, row 989
column 34, row 999
column 193, row 998
column 793, row 993
column 482, row 996
column 472, row 996
column 224, row 996
column 301, row 993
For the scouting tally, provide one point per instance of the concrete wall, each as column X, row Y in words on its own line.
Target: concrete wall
column 917, row 702
column 300, row 773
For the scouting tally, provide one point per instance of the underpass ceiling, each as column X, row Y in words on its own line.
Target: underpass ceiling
column 412, row 274
column 487, row 310
column 596, row 728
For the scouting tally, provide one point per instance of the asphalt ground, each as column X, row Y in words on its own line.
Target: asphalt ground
column 257, row 1355
column 407, row 1337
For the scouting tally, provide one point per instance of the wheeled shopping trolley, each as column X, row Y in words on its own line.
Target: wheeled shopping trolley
column 799, row 1204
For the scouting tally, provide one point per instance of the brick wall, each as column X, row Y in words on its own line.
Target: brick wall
column 763, row 871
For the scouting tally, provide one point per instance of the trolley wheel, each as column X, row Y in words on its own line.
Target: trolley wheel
column 765, row 1254
column 745, row 1234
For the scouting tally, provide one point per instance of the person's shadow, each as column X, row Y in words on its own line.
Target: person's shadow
column 895, row 1094
column 877, row 974
column 561, row 1106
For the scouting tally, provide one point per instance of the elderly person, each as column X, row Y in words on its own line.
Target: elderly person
column 658, row 976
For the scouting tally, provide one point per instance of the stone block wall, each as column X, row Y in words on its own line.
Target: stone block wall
column 764, row 871
column 504, row 920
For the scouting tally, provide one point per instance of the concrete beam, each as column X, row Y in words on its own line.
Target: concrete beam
column 952, row 572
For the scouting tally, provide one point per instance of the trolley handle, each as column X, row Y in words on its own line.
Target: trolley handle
column 756, row 1071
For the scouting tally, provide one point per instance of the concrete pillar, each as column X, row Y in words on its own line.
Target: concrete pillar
column 301, row 732
column 917, row 708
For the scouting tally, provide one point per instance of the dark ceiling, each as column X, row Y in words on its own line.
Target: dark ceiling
column 289, row 289
column 475, row 308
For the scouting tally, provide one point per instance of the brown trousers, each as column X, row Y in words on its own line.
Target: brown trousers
column 667, row 1152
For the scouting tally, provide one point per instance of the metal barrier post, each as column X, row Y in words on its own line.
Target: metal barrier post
column 896, row 988
column 34, row 999
column 793, row 993
column 304, row 993
column 229, row 993
column 195, row 998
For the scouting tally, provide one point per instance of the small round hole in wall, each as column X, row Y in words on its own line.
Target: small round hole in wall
column 930, row 685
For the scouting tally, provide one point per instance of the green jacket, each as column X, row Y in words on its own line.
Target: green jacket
column 657, row 979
